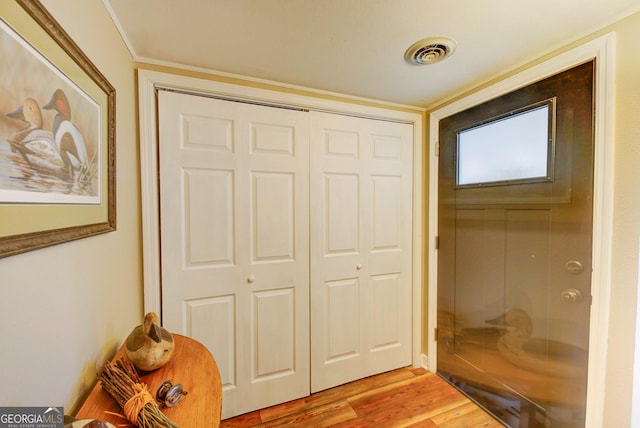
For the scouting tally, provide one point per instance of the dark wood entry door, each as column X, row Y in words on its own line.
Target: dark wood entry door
column 514, row 265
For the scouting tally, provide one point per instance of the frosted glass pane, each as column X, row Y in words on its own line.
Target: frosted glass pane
column 512, row 148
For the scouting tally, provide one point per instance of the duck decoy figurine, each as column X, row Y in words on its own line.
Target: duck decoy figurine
column 34, row 144
column 535, row 354
column 149, row 346
column 67, row 136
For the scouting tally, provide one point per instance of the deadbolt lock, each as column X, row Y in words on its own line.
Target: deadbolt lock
column 574, row 266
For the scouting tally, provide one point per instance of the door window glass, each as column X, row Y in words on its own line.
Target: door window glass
column 514, row 147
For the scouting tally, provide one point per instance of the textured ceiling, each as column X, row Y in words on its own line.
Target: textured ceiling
column 356, row 47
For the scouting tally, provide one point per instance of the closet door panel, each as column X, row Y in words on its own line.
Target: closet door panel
column 342, row 303
column 273, row 316
column 272, row 217
column 361, row 220
column 385, row 313
column 210, row 239
column 212, row 321
column 235, row 248
column 342, row 214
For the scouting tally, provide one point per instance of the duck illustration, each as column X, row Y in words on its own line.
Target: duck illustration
column 34, row 144
column 149, row 346
column 540, row 355
column 67, row 136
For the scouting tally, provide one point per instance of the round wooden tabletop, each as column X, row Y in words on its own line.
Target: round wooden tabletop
column 191, row 366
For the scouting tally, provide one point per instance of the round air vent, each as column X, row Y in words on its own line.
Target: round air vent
column 430, row 50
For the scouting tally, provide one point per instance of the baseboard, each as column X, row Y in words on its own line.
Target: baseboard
column 424, row 361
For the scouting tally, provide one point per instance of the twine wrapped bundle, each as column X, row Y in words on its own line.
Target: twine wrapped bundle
column 121, row 381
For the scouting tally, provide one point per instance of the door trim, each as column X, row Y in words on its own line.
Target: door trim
column 603, row 50
column 149, row 81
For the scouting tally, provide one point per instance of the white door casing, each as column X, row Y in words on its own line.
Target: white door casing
column 150, row 82
column 360, row 248
column 234, row 230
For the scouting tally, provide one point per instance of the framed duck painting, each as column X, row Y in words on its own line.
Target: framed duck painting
column 57, row 135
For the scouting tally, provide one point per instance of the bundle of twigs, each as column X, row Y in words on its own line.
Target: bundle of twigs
column 121, row 381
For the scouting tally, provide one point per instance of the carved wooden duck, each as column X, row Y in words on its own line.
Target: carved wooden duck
column 540, row 355
column 149, row 346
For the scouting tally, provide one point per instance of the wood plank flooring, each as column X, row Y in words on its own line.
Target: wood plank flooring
column 405, row 397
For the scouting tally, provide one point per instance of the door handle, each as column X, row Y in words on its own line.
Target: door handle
column 571, row 295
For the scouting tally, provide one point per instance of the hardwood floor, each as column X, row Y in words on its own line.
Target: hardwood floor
column 405, row 397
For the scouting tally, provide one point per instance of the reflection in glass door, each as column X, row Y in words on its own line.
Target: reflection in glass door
column 514, row 259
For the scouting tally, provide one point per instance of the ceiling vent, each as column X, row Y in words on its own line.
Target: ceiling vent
column 430, row 50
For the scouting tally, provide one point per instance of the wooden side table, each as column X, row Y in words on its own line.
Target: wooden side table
column 192, row 366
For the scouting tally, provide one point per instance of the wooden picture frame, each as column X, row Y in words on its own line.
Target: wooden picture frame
column 57, row 174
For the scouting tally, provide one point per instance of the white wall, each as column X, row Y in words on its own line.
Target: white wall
column 65, row 309
column 635, row 401
column 624, row 278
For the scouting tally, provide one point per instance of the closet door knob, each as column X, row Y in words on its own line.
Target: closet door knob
column 250, row 279
column 359, row 266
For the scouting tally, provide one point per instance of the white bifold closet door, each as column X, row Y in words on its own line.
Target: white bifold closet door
column 285, row 244
column 361, row 222
column 234, row 192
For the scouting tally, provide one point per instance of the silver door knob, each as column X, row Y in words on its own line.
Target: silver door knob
column 571, row 295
